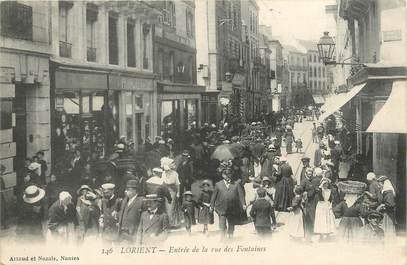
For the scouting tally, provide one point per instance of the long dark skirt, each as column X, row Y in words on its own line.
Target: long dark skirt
column 350, row 229
column 284, row 193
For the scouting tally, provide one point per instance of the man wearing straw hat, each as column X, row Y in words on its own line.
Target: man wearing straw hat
column 31, row 216
column 109, row 213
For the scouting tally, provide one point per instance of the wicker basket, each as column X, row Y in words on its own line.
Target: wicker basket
column 352, row 187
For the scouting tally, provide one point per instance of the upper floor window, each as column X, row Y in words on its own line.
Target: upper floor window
column 146, row 34
column 91, row 19
column 190, row 23
column 65, row 45
column 169, row 14
column 131, row 46
column 113, row 41
column 16, row 20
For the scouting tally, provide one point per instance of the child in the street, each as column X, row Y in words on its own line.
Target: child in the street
column 205, row 214
column 270, row 191
column 261, row 213
column 296, row 223
column 188, row 208
column 298, row 145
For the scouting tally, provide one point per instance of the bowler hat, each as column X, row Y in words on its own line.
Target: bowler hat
column 132, row 183
column 305, row 159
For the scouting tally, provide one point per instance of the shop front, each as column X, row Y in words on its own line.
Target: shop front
column 93, row 108
column 136, row 108
column 85, row 114
column 179, row 108
column 380, row 115
column 209, row 107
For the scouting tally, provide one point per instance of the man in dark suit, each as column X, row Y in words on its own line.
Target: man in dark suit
column 130, row 212
column 228, row 200
column 261, row 213
column 154, row 223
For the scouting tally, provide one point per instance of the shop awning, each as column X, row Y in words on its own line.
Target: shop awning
column 318, row 99
column 392, row 117
column 340, row 100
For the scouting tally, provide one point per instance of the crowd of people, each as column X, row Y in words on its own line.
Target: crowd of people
column 139, row 198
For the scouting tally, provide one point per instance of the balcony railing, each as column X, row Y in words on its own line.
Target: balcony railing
column 91, row 54
column 65, row 49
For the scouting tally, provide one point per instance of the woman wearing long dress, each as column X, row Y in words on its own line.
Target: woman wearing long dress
column 155, row 185
column 296, row 221
column 284, row 187
column 387, row 208
column 324, row 216
column 289, row 139
column 350, row 211
column 171, row 180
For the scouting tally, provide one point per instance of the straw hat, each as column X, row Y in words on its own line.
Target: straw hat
column 33, row 194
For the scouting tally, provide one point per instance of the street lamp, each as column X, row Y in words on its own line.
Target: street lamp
column 326, row 49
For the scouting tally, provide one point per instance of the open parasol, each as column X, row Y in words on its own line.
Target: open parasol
column 222, row 153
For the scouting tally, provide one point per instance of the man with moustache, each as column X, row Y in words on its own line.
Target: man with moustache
column 228, row 201
column 130, row 212
column 110, row 209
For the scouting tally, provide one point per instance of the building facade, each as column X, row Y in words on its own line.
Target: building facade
column 221, row 60
column 298, row 77
column 265, row 75
column 102, row 82
column 25, row 85
column 179, row 96
column 250, row 20
column 371, row 37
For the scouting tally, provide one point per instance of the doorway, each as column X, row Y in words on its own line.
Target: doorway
column 20, row 128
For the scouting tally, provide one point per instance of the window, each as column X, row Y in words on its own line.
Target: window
column 131, row 49
column 16, row 20
column 113, row 41
column 190, row 23
column 169, row 14
column 6, row 111
column 146, row 33
column 65, row 46
column 91, row 18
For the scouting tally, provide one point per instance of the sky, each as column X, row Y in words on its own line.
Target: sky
column 300, row 19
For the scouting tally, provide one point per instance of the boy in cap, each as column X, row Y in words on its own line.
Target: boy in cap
column 188, row 208
column 261, row 213
column 154, row 223
column 205, row 215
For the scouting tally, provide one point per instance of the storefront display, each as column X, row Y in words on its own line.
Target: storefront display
column 136, row 124
column 81, row 122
